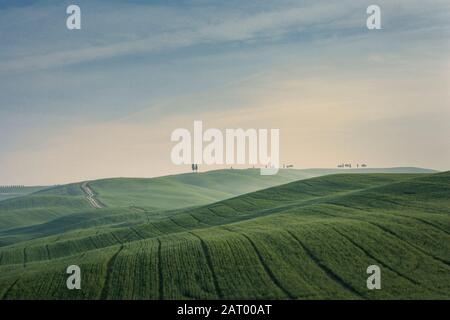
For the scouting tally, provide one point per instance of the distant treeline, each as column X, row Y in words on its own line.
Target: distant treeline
column 12, row 187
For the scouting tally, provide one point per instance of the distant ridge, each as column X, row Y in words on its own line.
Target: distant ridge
column 193, row 189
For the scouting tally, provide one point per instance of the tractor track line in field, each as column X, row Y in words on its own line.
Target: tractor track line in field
column 426, row 222
column 432, row 225
column 10, row 289
column 137, row 233
column 160, row 273
column 109, row 269
column 216, row 214
column 93, row 243
column 247, row 202
column 161, row 233
column 202, row 223
column 48, row 252
column 115, row 238
column 25, row 258
column 264, row 265
column 333, row 276
column 197, row 219
column 375, row 259
column 210, row 265
column 393, row 234
column 177, row 224
column 406, row 205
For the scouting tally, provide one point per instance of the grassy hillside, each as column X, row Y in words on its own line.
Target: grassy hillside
column 193, row 189
column 62, row 208
column 65, row 207
column 14, row 192
column 306, row 239
column 36, row 208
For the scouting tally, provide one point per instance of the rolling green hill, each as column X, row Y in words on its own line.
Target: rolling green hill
column 7, row 192
column 307, row 239
column 64, row 207
column 193, row 189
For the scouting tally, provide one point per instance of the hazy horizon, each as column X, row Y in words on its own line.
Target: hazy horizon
column 187, row 170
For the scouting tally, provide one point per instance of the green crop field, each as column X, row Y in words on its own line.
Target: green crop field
column 233, row 234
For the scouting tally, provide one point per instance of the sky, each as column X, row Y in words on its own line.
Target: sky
column 102, row 101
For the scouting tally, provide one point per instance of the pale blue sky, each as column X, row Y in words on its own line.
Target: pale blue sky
column 145, row 62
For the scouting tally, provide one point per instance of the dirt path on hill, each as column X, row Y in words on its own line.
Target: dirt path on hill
column 90, row 196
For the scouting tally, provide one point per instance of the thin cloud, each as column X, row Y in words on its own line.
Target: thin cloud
column 229, row 28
